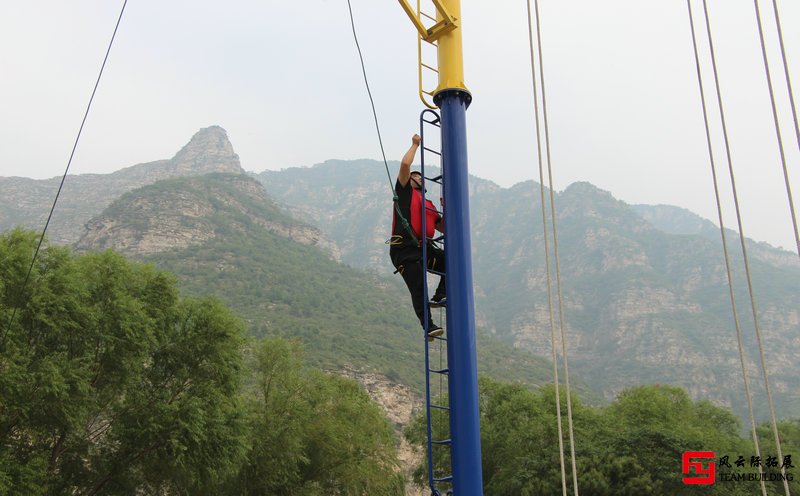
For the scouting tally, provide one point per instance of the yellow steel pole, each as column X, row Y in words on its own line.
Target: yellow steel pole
column 451, row 57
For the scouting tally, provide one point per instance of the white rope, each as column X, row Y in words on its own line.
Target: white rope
column 547, row 255
column 794, row 117
column 739, row 343
column 753, row 306
column 794, row 222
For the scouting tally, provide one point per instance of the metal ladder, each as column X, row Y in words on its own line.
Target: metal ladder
column 444, row 23
column 422, row 65
column 440, row 440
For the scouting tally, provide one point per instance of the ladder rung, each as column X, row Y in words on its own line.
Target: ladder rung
column 443, row 441
column 440, row 407
column 432, row 151
column 436, row 179
column 434, row 122
column 428, row 92
column 423, row 64
column 430, row 42
column 436, row 272
column 429, row 17
column 444, row 479
column 439, row 371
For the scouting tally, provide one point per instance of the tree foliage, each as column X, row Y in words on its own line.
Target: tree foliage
column 111, row 383
column 333, row 439
column 789, row 436
column 632, row 447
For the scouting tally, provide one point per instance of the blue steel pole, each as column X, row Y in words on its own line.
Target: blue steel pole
column 461, row 347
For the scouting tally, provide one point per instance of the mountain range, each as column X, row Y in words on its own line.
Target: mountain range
column 644, row 288
column 645, row 294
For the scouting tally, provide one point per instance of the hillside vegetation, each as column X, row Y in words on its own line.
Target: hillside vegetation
column 281, row 287
column 115, row 384
column 644, row 302
column 645, row 289
column 632, row 447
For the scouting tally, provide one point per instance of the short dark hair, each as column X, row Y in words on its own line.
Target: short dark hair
column 416, row 172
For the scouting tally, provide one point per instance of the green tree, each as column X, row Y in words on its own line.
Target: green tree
column 631, row 447
column 521, row 447
column 789, row 435
column 277, row 417
column 313, row 433
column 656, row 424
column 109, row 382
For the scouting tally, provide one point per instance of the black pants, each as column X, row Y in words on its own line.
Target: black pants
column 408, row 262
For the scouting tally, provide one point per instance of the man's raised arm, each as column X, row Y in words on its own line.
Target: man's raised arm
column 405, row 164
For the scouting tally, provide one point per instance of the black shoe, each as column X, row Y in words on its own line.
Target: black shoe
column 434, row 331
column 438, row 302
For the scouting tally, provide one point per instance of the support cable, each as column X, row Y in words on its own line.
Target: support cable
column 786, row 72
column 547, row 257
column 69, row 162
column 395, row 198
column 775, row 111
column 739, row 341
column 549, row 283
column 369, row 93
column 753, row 306
column 794, row 223
column 557, row 258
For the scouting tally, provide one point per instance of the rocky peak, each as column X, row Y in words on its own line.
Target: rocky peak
column 86, row 195
column 181, row 212
column 208, row 151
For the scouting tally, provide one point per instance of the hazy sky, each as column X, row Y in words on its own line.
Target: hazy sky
column 283, row 79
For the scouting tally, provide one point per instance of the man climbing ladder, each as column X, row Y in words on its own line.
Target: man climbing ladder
column 407, row 238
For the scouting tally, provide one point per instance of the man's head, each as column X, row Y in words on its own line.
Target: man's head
column 416, row 180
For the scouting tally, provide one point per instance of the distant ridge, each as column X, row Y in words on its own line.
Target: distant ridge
column 178, row 213
column 221, row 235
column 676, row 220
column 646, row 298
column 645, row 288
column 27, row 201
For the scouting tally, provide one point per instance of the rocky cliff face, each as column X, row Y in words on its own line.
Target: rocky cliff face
column 675, row 220
column 645, row 289
column 208, row 151
column 400, row 405
column 179, row 213
column 352, row 202
column 27, row 202
column 645, row 294
column 187, row 204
